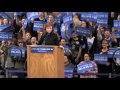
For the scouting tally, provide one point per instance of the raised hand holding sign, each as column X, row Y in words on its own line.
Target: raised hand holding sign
column 82, row 68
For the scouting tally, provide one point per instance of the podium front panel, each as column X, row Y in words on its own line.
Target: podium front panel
column 45, row 62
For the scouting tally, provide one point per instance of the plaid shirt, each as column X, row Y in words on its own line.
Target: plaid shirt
column 94, row 71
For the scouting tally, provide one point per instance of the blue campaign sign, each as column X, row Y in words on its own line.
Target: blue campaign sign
column 58, row 20
column 102, row 21
column 55, row 29
column 117, row 34
column 79, row 13
column 117, row 28
column 23, row 51
column 16, row 51
column 63, row 31
column 86, row 16
column 18, row 13
column 82, row 31
column 38, row 25
column 3, row 27
column 101, row 58
column 94, row 16
column 66, row 50
column 117, row 54
column 10, row 35
column 42, row 49
column 102, row 18
column 70, row 13
column 91, row 16
column 69, row 31
column 31, row 15
column 68, row 19
column 116, row 24
column 114, row 51
column 8, row 15
column 63, row 13
column 5, row 36
column 102, row 15
column 68, row 75
column 86, row 66
column 25, row 24
column 111, row 51
column 68, row 72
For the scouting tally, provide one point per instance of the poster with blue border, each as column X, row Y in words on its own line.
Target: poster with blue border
column 68, row 72
column 114, row 52
column 38, row 25
column 3, row 27
column 82, row 31
column 83, row 67
column 31, row 15
column 16, row 51
column 101, row 58
column 6, row 36
column 42, row 49
column 68, row 19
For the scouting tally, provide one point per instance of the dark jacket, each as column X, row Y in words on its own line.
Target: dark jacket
column 27, row 43
column 86, row 49
column 49, row 39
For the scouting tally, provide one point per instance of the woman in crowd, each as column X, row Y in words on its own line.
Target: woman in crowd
column 87, row 59
column 105, row 68
column 100, row 32
column 49, row 37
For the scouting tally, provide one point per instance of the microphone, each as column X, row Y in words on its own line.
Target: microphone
column 20, row 30
column 45, row 36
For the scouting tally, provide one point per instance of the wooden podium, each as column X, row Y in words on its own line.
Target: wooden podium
column 45, row 62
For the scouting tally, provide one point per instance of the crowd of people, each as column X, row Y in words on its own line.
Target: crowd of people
column 77, row 48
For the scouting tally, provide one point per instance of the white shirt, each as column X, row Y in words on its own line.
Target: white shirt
column 90, row 42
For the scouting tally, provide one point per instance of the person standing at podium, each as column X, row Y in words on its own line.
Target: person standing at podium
column 49, row 37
